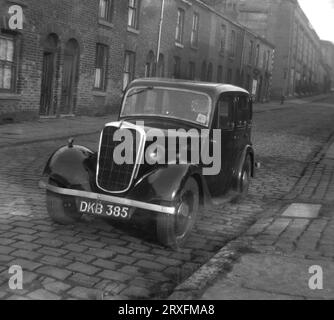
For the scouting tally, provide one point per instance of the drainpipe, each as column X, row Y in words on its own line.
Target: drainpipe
column 160, row 31
column 287, row 80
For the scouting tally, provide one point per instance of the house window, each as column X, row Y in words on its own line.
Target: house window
column 133, row 13
column 195, row 30
column 268, row 60
column 203, row 71
column 177, row 67
column 210, row 72
column 7, row 65
column 257, row 55
column 192, row 70
column 229, row 76
column 150, row 65
column 179, row 26
column 220, row 74
column 161, row 66
column 101, row 66
column 250, row 52
column 106, row 10
column 223, row 39
column 237, row 77
column 129, row 68
column 232, row 44
column 264, row 61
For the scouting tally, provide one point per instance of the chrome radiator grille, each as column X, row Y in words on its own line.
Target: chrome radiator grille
column 113, row 177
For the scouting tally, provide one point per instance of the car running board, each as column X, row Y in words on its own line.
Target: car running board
column 219, row 201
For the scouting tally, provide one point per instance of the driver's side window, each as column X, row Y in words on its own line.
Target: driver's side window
column 225, row 112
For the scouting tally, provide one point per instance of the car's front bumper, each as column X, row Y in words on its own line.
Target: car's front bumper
column 112, row 199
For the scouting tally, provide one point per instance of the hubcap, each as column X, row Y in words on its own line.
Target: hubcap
column 184, row 216
column 245, row 181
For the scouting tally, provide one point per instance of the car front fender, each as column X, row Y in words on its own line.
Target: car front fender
column 163, row 184
column 72, row 167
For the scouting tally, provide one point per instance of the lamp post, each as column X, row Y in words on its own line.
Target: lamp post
column 162, row 11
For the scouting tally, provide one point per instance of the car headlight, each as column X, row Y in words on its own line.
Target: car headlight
column 156, row 156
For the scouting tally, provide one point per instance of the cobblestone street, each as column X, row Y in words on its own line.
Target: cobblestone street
column 97, row 259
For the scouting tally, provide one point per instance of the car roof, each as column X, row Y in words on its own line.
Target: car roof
column 207, row 87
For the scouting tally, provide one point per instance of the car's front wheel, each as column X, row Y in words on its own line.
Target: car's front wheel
column 173, row 230
column 62, row 209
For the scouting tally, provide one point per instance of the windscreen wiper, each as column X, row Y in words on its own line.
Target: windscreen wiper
column 140, row 91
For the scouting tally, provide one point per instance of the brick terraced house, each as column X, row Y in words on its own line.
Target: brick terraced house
column 67, row 59
column 74, row 57
column 198, row 42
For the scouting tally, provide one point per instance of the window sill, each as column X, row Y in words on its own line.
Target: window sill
column 105, row 23
column 9, row 96
column 132, row 30
column 179, row 45
column 98, row 93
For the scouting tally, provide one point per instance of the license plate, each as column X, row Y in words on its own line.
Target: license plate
column 98, row 208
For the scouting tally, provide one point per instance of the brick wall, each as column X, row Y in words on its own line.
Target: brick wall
column 67, row 19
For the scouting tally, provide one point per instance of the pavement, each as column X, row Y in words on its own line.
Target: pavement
column 95, row 259
column 15, row 134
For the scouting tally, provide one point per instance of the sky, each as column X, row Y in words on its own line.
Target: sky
column 321, row 15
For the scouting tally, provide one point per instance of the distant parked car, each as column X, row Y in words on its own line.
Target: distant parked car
column 170, row 191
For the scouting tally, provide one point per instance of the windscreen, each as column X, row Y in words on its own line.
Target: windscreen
column 168, row 102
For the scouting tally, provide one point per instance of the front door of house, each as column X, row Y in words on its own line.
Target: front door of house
column 70, row 77
column 47, row 107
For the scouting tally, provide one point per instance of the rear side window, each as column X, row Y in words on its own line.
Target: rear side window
column 243, row 110
column 225, row 112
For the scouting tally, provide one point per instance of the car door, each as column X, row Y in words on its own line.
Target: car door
column 243, row 121
column 224, row 121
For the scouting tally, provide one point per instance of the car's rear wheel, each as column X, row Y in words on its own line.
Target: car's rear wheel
column 245, row 179
column 173, row 230
column 62, row 209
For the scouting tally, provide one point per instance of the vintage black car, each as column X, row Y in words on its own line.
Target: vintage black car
column 169, row 191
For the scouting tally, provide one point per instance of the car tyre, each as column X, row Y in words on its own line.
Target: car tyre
column 62, row 209
column 245, row 180
column 173, row 230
